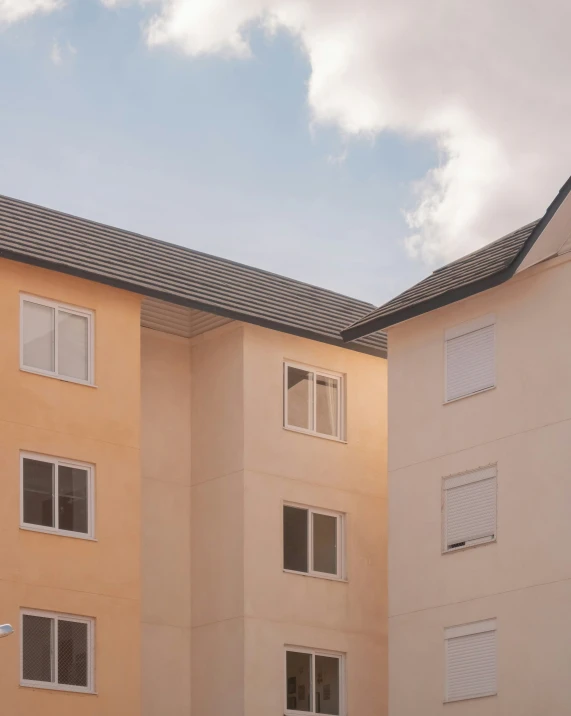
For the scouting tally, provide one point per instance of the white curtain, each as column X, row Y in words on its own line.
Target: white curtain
column 327, row 405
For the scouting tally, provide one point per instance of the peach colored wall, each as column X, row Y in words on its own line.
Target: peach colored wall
column 217, row 522
column 523, row 425
column 166, row 520
column 245, row 609
column 101, row 578
column 281, row 465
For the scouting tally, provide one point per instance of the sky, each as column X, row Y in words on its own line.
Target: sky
column 354, row 145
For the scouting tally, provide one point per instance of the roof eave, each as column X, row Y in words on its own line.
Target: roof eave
column 405, row 314
column 180, row 301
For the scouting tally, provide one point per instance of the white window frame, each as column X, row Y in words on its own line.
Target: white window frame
column 57, row 306
column 488, row 472
column 341, row 400
column 340, row 576
column 53, row 685
column 57, row 462
column 464, row 329
column 342, row 679
column 480, row 627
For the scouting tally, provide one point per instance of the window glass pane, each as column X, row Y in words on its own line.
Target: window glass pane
column 37, row 635
column 295, row 539
column 73, row 345
column 325, row 543
column 72, row 504
column 327, row 405
column 299, row 398
column 298, row 686
column 72, row 653
column 38, row 494
column 38, row 339
column 326, row 685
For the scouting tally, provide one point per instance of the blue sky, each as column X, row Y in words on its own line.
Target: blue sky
column 213, row 153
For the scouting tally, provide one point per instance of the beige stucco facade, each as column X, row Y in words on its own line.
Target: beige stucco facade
column 523, row 425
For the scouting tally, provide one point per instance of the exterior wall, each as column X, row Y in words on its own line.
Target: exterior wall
column 166, row 519
column 245, row 609
column 281, row 465
column 524, row 426
column 100, row 425
column 192, row 466
column 217, row 522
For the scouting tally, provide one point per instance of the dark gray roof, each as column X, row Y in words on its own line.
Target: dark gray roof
column 478, row 265
column 68, row 244
column 489, row 266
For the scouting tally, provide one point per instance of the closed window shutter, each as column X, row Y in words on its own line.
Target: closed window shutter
column 470, row 508
column 470, row 363
column 471, row 664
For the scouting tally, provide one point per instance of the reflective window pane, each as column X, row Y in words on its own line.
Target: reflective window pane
column 327, row 405
column 327, row 685
column 72, row 499
column 295, row 539
column 37, row 641
column 38, row 336
column 73, row 345
column 325, row 543
column 72, row 653
column 298, row 681
column 38, row 489
column 299, row 398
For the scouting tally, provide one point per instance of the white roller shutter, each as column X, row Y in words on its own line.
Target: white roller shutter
column 470, row 358
column 471, row 661
column 470, row 508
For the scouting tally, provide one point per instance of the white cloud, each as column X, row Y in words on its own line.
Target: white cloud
column 338, row 159
column 14, row 10
column 55, row 53
column 487, row 81
column 62, row 53
column 114, row 3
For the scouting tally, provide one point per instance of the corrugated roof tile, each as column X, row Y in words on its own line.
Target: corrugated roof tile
column 478, row 265
column 177, row 274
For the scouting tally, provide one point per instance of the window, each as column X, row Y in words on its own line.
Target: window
column 313, row 541
column 56, row 340
column 314, row 682
column 313, row 401
column 471, row 660
column 469, row 514
column 57, row 651
column 57, row 496
column 470, row 358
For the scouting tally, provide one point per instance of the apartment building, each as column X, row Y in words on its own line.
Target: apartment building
column 193, row 513
column 479, row 479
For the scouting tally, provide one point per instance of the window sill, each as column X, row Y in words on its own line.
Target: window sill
column 64, row 378
column 57, row 533
column 476, row 543
column 469, row 395
column 303, row 713
column 470, row 698
column 328, row 577
column 56, row 687
column 303, row 431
